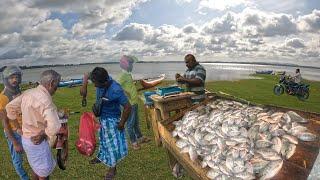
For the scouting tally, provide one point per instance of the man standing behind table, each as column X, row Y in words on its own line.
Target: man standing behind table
column 194, row 78
column 40, row 123
column 12, row 76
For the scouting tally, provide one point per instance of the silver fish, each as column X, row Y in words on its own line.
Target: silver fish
column 192, row 153
column 263, row 144
column 269, row 154
column 181, row 143
column 212, row 174
column 259, row 165
column 296, row 117
column 297, row 130
column 292, row 139
column 278, row 132
column 290, row 150
column 277, row 144
column 271, row 169
column 245, row 175
column 223, row 168
column 306, row 136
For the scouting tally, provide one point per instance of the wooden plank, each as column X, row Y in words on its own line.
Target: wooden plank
column 290, row 171
column 305, row 156
column 155, row 114
column 193, row 168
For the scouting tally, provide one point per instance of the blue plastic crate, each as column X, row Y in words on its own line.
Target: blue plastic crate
column 148, row 100
column 165, row 91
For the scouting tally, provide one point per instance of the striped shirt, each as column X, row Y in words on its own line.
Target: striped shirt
column 197, row 72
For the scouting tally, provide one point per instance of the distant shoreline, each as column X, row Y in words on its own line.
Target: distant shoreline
column 205, row 62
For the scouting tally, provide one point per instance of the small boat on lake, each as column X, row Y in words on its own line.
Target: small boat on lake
column 151, row 82
column 70, row 83
column 264, row 72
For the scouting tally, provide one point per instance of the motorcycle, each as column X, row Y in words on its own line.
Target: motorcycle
column 61, row 144
column 291, row 88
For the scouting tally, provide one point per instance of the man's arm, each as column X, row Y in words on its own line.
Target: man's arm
column 13, row 108
column 198, row 80
column 51, row 117
column 9, row 132
column 124, row 116
column 11, row 112
column 83, row 88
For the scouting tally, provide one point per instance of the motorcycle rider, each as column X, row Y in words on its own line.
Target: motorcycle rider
column 295, row 81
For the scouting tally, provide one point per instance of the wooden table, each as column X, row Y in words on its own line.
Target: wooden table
column 164, row 107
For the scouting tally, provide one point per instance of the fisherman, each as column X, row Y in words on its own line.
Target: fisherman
column 194, row 78
column 126, row 82
column 40, row 123
column 12, row 76
column 112, row 140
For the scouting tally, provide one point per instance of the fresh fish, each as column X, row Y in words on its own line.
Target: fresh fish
column 263, row 144
column 262, row 115
column 295, row 131
column 224, row 169
column 306, row 136
column 185, row 149
column 296, row 117
column 286, row 118
column 264, row 126
column 174, row 133
column 209, row 137
column 181, row 143
column 284, row 147
column 271, row 169
column 278, row 132
column 192, row 153
column 290, row 150
column 259, row 165
column 273, row 127
column 292, row 139
column 277, row 114
column 268, row 154
column 212, row 174
column 277, row 144
column 245, row 175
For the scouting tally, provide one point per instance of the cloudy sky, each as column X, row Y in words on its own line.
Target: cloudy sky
column 81, row 31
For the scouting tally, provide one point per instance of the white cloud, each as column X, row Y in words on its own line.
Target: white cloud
column 220, row 5
column 15, row 16
column 295, row 43
column 134, row 31
column 44, row 31
column 223, row 25
column 255, row 22
column 310, row 22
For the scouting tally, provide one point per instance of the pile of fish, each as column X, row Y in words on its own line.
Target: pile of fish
column 238, row 141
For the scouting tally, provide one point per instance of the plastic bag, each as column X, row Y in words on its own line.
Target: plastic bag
column 86, row 143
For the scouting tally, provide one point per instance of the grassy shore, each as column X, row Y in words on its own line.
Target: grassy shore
column 151, row 162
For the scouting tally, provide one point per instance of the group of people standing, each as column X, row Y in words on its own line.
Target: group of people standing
column 30, row 118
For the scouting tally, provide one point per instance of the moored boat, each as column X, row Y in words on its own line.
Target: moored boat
column 151, row 82
column 70, row 83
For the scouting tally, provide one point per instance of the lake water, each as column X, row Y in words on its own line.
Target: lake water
column 215, row 71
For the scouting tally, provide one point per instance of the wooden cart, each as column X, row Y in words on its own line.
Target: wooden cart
column 297, row 167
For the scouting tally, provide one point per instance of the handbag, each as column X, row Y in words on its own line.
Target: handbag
column 97, row 106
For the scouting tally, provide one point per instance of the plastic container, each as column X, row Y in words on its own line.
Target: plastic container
column 148, row 100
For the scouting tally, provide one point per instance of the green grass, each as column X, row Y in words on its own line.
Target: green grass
column 151, row 162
